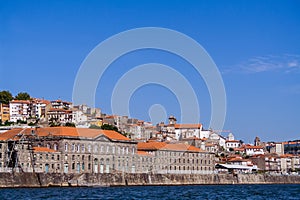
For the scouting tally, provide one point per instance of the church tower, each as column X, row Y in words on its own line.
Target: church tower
column 172, row 120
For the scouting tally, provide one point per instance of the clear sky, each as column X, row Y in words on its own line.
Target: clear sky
column 255, row 45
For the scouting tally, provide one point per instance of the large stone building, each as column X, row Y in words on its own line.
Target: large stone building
column 177, row 158
column 66, row 150
column 82, row 150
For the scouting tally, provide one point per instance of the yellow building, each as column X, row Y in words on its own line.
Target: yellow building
column 4, row 112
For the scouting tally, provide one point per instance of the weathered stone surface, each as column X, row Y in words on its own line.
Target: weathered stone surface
column 87, row 179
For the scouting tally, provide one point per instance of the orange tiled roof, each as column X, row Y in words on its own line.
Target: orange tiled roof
column 114, row 135
column 181, row 147
column 63, row 131
column 20, row 101
column 253, row 147
column 197, row 126
column 43, row 149
column 233, row 141
column 150, row 145
column 143, row 153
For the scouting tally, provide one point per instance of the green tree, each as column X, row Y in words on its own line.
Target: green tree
column 70, row 124
column 109, row 127
column 94, row 127
column 22, row 96
column 5, row 97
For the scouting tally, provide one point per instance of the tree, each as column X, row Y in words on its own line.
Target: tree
column 70, row 124
column 22, row 96
column 94, row 127
column 109, row 127
column 5, row 97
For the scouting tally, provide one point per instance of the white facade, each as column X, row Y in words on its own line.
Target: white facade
column 79, row 117
column 254, row 150
column 19, row 110
column 232, row 144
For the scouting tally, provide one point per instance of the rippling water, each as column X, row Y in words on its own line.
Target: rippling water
column 158, row 192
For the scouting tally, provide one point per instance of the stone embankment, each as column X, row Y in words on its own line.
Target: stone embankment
column 96, row 180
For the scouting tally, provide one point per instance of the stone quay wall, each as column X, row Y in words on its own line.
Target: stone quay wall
column 105, row 180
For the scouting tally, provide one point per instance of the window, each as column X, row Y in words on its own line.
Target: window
column 101, row 149
column 55, row 147
column 89, row 148
column 96, row 149
column 52, row 156
column 113, row 150
column 66, row 146
column 73, row 147
column 107, row 149
column 57, row 157
column 73, row 157
column 82, row 148
column 78, row 147
column 48, row 146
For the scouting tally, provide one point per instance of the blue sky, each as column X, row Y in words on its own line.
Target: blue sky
column 255, row 45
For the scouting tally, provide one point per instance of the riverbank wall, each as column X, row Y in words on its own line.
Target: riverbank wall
column 105, row 180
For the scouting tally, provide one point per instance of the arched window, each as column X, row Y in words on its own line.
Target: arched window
column 66, row 146
column 55, row 147
column 48, row 146
column 82, row 148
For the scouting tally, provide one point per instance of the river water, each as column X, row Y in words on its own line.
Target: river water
column 158, row 192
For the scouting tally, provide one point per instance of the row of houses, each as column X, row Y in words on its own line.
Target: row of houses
column 44, row 111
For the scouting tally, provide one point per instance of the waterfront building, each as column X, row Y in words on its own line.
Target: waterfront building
column 175, row 158
column 66, row 150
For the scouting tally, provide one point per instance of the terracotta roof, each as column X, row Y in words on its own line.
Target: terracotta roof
column 10, row 134
column 43, row 149
column 291, row 142
column 20, row 101
column 143, row 153
column 197, row 126
column 114, row 135
column 253, row 147
column 64, row 131
column 150, row 145
column 236, row 141
column 181, row 147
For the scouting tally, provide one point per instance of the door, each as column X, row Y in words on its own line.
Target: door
column 101, row 168
column 66, row 168
column 78, row 168
column 46, row 168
